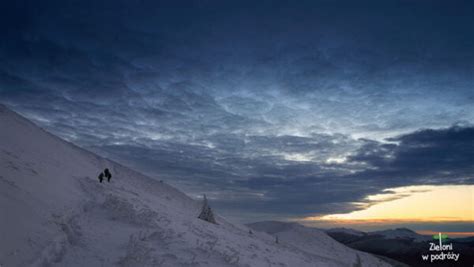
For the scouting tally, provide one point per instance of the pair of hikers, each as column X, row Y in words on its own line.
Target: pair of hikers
column 107, row 175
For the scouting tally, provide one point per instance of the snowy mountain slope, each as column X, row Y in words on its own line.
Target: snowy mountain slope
column 402, row 233
column 314, row 241
column 54, row 212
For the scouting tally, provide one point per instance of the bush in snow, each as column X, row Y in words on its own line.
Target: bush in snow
column 206, row 212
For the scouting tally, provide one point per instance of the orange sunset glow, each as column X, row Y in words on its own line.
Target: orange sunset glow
column 451, row 203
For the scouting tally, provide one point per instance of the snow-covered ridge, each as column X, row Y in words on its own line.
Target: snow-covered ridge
column 314, row 241
column 401, row 233
column 54, row 212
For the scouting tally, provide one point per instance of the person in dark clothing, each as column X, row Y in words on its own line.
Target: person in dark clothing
column 107, row 174
column 101, row 177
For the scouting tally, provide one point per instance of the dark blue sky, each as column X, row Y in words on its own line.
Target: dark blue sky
column 274, row 109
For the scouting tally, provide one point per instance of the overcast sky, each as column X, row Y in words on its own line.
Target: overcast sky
column 274, row 110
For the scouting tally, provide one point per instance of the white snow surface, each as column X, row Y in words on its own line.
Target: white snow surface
column 315, row 241
column 54, row 212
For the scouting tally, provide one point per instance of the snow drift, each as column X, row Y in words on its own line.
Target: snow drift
column 54, row 212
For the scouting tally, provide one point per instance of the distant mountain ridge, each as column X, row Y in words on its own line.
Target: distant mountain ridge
column 346, row 230
column 401, row 233
column 311, row 240
column 402, row 244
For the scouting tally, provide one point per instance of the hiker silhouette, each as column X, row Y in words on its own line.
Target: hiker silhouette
column 101, row 177
column 107, row 174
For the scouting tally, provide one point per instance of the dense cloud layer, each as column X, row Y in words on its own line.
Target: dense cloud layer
column 274, row 109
